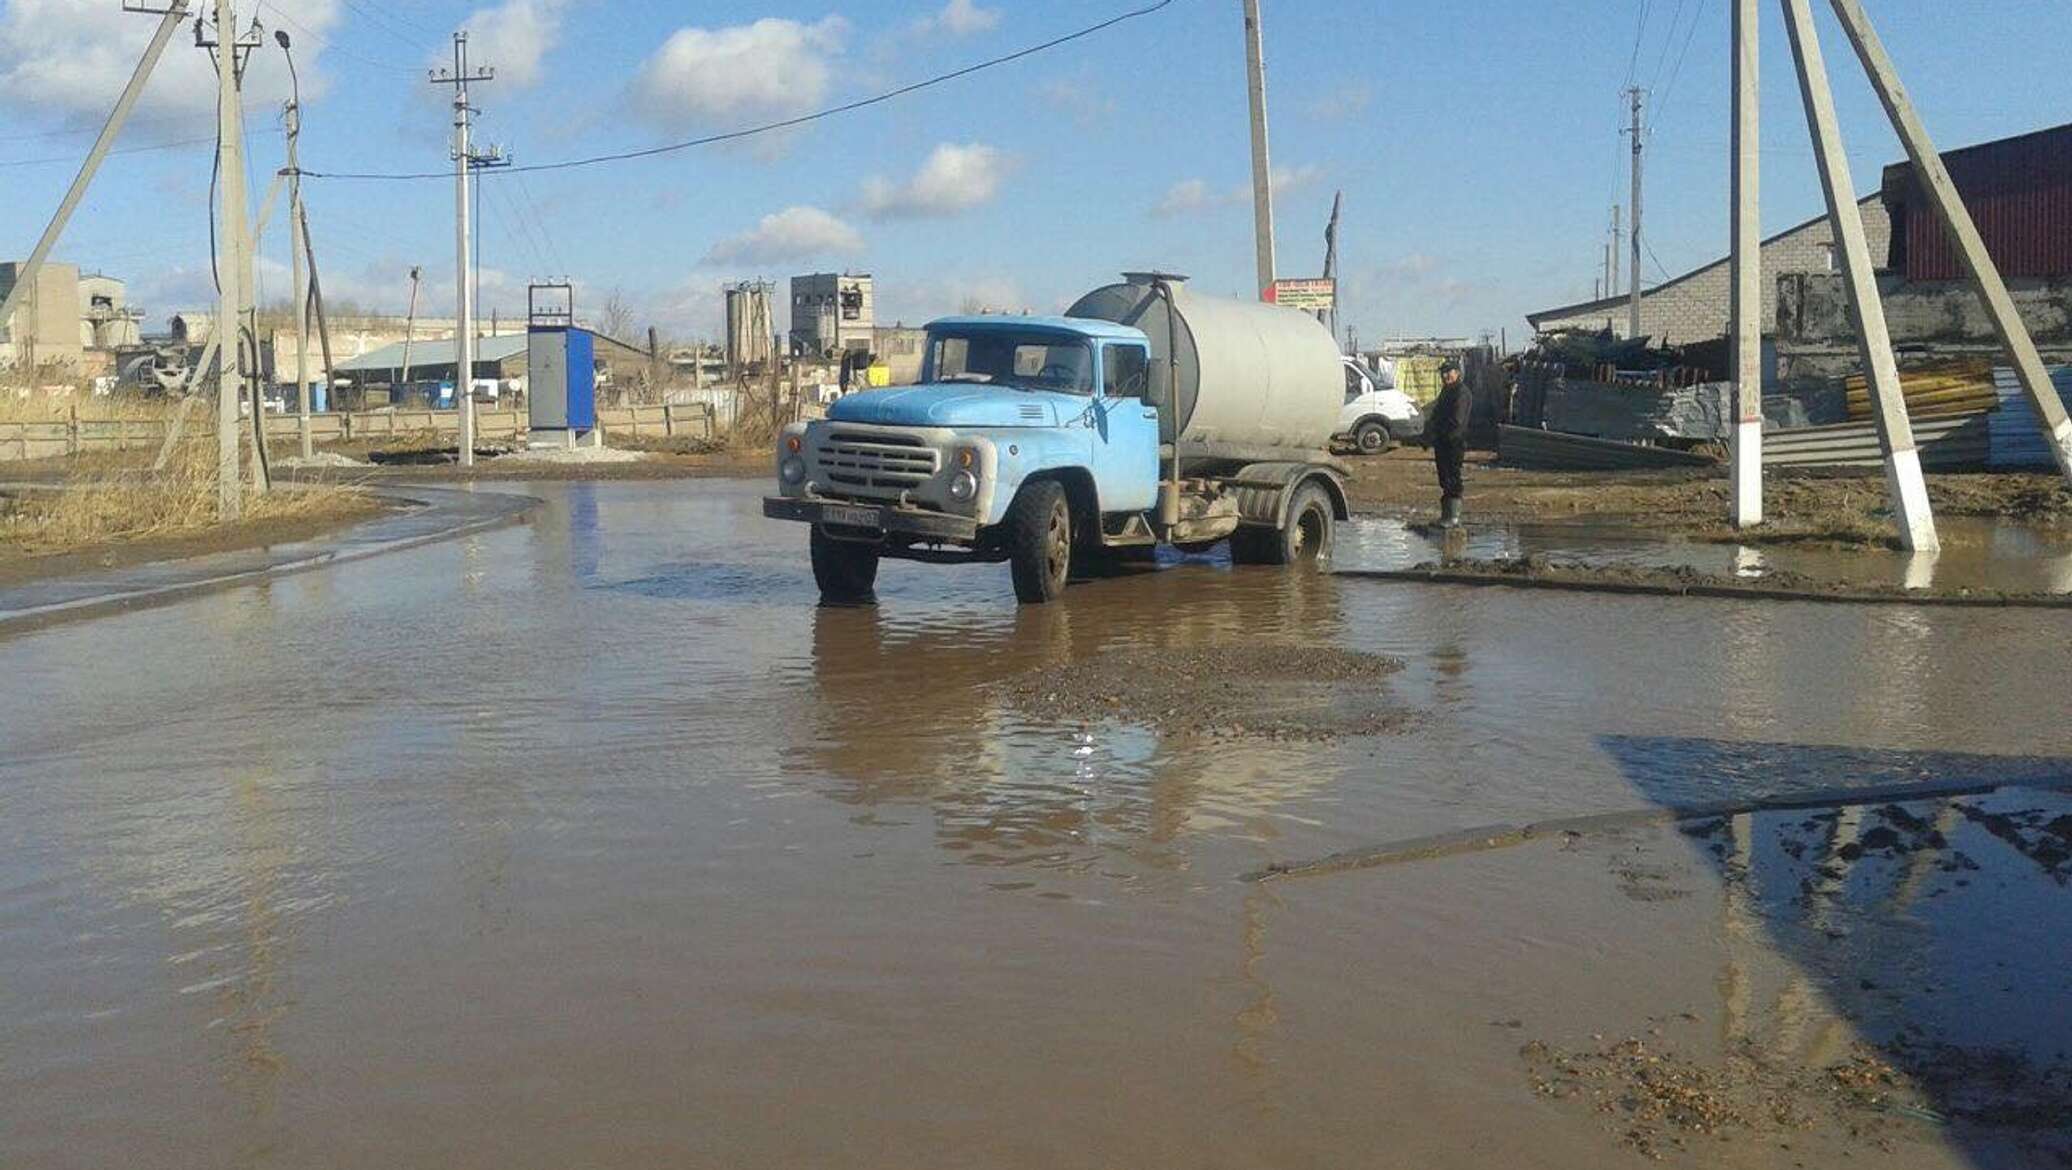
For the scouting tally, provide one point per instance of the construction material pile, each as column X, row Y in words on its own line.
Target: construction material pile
column 1935, row 390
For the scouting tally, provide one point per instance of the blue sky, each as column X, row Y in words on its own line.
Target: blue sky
column 1478, row 144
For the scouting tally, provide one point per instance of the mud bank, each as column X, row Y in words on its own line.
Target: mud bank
column 1543, row 572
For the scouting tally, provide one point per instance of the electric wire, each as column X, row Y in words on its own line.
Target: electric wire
column 768, row 127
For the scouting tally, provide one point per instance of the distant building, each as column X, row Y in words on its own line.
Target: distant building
column 831, row 312
column 751, row 341
column 107, row 321
column 357, row 336
column 45, row 329
column 1698, row 305
column 899, row 349
column 501, row 358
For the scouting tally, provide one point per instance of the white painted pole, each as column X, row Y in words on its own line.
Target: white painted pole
column 230, row 251
column 1262, row 169
column 1747, row 268
column 1909, row 491
column 1956, row 219
column 25, row 276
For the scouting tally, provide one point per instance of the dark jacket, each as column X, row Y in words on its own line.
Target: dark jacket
column 1448, row 421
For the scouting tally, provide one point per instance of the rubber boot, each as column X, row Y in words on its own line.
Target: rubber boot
column 1449, row 512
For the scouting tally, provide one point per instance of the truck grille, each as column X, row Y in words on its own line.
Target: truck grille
column 877, row 462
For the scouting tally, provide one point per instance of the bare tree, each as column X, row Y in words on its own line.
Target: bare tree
column 617, row 319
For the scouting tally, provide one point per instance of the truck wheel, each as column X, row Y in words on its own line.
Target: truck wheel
column 1373, row 438
column 1039, row 542
column 1305, row 541
column 847, row 573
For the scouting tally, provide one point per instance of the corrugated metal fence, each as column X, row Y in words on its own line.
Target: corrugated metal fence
column 2018, row 440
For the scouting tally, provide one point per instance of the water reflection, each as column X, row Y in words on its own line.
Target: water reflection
column 907, row 712
column 1939, row 929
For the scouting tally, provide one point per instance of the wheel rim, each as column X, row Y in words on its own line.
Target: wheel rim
column 1307, row 537
column 1370, row 440
column 1057, row 550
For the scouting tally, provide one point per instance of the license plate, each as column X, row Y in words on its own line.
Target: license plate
column 850, row 517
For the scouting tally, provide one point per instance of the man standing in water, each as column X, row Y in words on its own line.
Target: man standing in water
column 1446, row 432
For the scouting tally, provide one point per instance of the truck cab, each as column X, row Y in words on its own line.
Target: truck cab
column 1030, row 440
column 1376, row 416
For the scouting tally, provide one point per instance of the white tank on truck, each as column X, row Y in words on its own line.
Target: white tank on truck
column 1252, row 381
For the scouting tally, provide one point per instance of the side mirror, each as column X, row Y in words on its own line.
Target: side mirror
column 1155, row 395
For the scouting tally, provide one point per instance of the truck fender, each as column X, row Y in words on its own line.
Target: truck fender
column 1025, row 457
column 1263, row 491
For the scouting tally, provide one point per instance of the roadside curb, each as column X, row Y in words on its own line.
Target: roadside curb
column 1718, row 592
column 437, row 514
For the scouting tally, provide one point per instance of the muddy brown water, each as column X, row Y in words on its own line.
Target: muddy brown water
column 595, row 843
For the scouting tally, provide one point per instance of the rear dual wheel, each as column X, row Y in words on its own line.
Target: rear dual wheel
column 1305, row 539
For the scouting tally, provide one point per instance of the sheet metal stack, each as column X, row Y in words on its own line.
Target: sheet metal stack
column 2017, row 433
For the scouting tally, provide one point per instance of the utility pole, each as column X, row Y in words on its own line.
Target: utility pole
column 1633, row 322
column 1262, row 171
column 410, row 322
column 1329, row 317
column 1613, row 264
column 459, row 77
column 1956, row 219
column 293, row 118
column 233, row 251
column 25, row 277
column 1746, row 268
column 1909, row 491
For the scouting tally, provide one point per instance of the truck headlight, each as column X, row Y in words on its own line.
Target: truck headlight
column 793, row 470
column 963, row 487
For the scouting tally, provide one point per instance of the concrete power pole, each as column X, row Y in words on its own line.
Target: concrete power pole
column 410, row 321
column 459, row 78
column 233, row 255
column 1262, row 170
column 1956, row 219
column 1611, row 283
column 1633, row 320
column 1909, row 491
column 1747, row 268
column 295, row 249
column 1329, row 317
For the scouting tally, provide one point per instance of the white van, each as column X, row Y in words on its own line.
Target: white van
column 1376, row 415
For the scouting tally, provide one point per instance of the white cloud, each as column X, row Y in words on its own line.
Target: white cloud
column 954, row 179
column 960, row 18
column 68, row 60
column 771, row 68
column 1195, row 196
column 1414, row 267
column 796, row 233
column 514, row 38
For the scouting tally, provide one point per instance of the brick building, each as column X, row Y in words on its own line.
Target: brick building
column 1698, row 305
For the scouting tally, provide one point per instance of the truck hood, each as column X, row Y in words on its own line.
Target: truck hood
column 958, row 404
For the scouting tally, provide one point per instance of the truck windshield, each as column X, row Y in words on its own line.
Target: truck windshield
column 1029, row 361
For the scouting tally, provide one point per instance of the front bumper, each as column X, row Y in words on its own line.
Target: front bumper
column 868, row 521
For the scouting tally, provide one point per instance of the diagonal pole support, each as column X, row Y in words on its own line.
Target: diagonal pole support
column 1956, row 219
column 1908, row 489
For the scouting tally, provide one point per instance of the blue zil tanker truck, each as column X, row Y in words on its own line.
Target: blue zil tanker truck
column 1147, row 414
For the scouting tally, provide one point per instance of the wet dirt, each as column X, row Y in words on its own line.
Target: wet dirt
column 1248, row 689
column 18, row 566
column 597, row 842
column 1843, row 508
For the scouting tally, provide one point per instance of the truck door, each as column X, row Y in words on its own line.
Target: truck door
column 1125, row 440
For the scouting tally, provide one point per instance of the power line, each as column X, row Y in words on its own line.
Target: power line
column 1640, row 30
column 769, row 127
column 1677, row 72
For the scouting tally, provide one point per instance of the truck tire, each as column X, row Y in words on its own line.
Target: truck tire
column 1039, row 542
column 1373, row 437
column 846, row 572
column 1306, row 539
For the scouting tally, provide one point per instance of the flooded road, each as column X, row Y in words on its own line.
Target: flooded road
column 594, row 842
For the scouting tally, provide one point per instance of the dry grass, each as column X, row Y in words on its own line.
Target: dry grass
column 103, row 506
column 23, row 404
